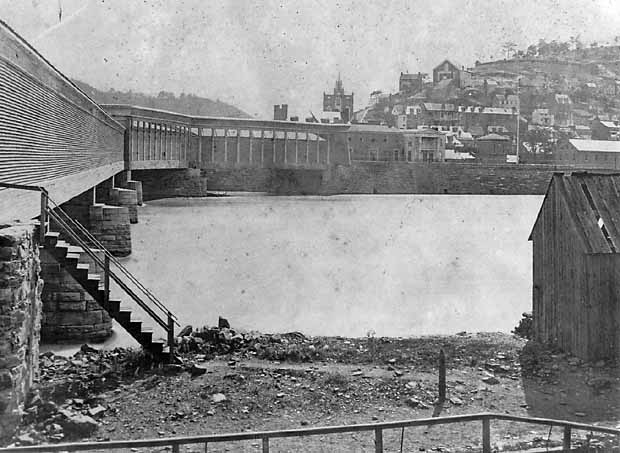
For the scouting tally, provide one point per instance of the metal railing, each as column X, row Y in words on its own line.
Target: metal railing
column 265, row 436
column 50, row 210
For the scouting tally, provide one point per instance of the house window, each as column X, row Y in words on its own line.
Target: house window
column 396, row 154
column 409, row 156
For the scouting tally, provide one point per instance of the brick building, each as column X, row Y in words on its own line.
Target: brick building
column 339, row 101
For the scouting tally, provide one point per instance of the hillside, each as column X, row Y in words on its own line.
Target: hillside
column 188, row 104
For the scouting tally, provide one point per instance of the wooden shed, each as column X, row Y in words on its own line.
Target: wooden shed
column 576, row 265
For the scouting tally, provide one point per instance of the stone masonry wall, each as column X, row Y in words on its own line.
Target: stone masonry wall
column 359, row 178
column 20, row 315
column 69, row 312
column 171, row 183
column 128, row 198
column 111, row 226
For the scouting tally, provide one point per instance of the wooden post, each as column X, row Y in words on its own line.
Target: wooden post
column 213, row 135
column 442, row 376
column 250, row 157
column 106, row 282
column 238, row 145
column 199, row 157
column 175, row 448
column 566, row 441
column 285, row 147
column 328, row 147
column 378, row 440
column 262, row 147
column 226, row 146
column 143, row 140
column 170, row 338
column 43, row 219
column 318, row 148
column 486, row 435
column 307, row 146
column 273, row 142
column 265, row 444
column 296, row 147
column 150, row 143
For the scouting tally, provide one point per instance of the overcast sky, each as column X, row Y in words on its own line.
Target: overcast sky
column 254, row 54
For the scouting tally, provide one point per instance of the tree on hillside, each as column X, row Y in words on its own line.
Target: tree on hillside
column 532, row 51
column 509, row 48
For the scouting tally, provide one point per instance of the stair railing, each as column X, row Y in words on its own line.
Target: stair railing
column 166, row 323
column 109, row 258
column 79, row 234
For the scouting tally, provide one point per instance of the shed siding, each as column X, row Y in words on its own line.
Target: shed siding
column 575, row 294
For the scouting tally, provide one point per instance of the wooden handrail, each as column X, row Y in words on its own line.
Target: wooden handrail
column 116, row 262
column 265, row 436
column 163, row 323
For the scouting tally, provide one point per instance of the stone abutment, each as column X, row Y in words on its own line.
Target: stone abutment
column 20, row 315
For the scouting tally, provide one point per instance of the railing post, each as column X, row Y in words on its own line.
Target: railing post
column 44, row 218
column 106, row 282
column 175, row 448
column 442, row 376
column 265, row 444
column 486, row 435
column 566, row 441
column 378, row 440
column 170, row 337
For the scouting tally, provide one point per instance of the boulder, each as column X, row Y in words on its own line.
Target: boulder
column 77, row 425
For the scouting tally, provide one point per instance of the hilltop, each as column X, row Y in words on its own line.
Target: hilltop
column 188, row 104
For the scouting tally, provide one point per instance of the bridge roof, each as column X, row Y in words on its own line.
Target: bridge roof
column 137, row 112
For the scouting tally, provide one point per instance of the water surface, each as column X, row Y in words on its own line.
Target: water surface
column 394, row 265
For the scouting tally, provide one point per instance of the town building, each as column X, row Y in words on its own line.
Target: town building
column 280, row 112
column 447, row 70
column 367, row 142
column 490, row 120
column 411, row 83
column 372, row 143
column 560, row 106
column 424, row 145
column 576, row 244
column 509, row 101
column 605, row 130
column 599, row 154
column 493, row 148
column 542, row 117
column 339, row 101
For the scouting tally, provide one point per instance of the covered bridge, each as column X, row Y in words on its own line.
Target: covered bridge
column 576, row 265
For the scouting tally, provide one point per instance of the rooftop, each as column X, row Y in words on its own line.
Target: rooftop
column 592, row 200
column 603, row 146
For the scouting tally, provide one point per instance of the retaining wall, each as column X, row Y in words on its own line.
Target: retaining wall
column 20, row 317
column 359, row 178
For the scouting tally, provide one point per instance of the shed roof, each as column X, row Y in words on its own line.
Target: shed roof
column 602, row 146
column 593, row 201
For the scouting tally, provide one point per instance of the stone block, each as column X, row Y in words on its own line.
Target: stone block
column 72, row 306
column 72, row 318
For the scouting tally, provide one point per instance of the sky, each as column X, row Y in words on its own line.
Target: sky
column 254, row 54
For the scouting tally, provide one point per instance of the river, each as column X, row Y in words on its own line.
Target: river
column 351, row 265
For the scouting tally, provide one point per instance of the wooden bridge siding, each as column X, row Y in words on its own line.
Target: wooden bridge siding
column 50, row 131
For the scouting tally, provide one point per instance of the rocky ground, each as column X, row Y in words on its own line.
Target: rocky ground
column 231, row 382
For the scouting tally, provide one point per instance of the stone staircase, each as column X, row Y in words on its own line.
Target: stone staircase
column 68, row 256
